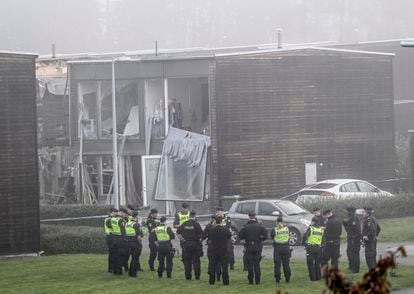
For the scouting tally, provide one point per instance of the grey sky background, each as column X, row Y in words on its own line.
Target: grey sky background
column 77, row 26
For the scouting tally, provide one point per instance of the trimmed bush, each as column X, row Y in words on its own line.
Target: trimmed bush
column 68, row 211
column 384, row 207
column 58, row 239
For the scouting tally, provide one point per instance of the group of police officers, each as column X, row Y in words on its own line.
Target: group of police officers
column 321, row 240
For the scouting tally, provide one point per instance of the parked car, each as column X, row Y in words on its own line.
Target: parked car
column 337, row 189
column 296, row 217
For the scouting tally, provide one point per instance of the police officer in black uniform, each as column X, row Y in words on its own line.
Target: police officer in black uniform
column 152, row 223
column 218, row 236
column 352, row 227
column 254, row 234
column 206, row 231
column 108, row 235
column 281, row 250
column 191, row 233
column 134, row 235
column 312, row 240
column 163, row 235
column 227, row 223
column 117, row 224
column 370, row 231
column 331, row 240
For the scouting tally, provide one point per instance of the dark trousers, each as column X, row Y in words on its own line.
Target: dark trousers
column 139, row 255
column 218, row 260
column 352, row 252
column 281, row 256
column 218, row 269
column 191, row 259
column 152, row 255
column 313, row 260
column 165, row 259
column 371, row 253
column 253, row 265
column 230, row 252
column 133, row 249
column 111, row 253
column 331, row 252
column 121, row 254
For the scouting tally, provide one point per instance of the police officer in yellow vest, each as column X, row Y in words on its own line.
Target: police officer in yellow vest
column 281, row 250
column 163, row 236
column 134, row 235
column 108, row 235
column 312, row 239
column 180, row 218
column 117, row 225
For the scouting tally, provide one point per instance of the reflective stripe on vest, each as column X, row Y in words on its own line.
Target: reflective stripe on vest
column 129, row 228
column 162, row 234
column 281, row 235
column 108, row 231
column 315, row 236
column 182, row 218
column 116, row 229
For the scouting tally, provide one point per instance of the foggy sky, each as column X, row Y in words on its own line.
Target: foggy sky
column 77, row 26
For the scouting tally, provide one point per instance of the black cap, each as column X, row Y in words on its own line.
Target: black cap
column 163, row 219
column 130, row 207
column 325, row 212
column 315, row 220
column 351, row 209
column 219, row 209
column 252, row 214
column 154, row 210
column 184, row 205
column 123, row 209
column 192, row 213
column 134, row 214
column 113, row 209
column 279, row 219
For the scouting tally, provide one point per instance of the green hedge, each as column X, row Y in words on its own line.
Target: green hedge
column 67, row 211
column 384, row 207
column 58, row 239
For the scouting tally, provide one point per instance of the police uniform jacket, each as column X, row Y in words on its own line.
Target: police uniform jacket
column 121, row 223
column 352, row 227
column 218, row 237
column 190, row 231
column 254, row 233
column 371, row 228
column 333, row 231
column 169, row 232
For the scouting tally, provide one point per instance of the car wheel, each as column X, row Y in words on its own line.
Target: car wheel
column 235, row 236
column 294, row 237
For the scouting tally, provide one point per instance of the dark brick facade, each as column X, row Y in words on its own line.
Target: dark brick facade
column 19, row 189
column 277, row 111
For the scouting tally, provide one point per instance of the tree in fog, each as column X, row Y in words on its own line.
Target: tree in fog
column 114, row 25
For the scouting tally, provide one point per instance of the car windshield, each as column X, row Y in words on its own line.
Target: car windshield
column 323, row 186
column 291, row 208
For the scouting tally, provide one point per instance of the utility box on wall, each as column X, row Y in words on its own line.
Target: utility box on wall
column 19, row 188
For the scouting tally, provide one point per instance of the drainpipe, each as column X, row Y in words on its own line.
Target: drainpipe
column 114, row 139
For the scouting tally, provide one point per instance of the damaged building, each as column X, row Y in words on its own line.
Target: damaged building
column 271, row 120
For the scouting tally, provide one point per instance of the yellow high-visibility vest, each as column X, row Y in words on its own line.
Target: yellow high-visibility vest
column 281, row 235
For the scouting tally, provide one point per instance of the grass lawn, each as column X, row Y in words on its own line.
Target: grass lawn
column 396, row 229
column 86, row 273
